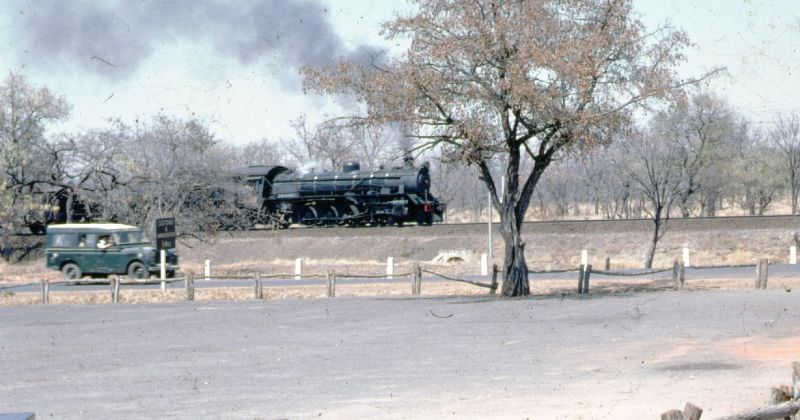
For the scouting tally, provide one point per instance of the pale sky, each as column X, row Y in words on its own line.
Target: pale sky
column 236, row 66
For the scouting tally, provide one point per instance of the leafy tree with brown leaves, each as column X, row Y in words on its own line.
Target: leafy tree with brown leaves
column 528, row 80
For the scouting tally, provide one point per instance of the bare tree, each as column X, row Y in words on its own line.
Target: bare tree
column 756, row 178
column 26, row 161
column 527, row 81
column 785, row 137
column 651, row 166
column 699, row 130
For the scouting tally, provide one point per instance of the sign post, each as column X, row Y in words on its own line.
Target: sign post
column 165, row 239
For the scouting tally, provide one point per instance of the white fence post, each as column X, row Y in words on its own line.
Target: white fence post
column 584, row 258
column 207, row 270
column 390, row 267
column 686, row 262
column 298, row 268
column 163, row 257
column 484, row 265
column 793, row 254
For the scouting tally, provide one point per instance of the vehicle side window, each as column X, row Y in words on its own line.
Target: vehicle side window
column 121, row 237
column 64, row 240
column 104, row 242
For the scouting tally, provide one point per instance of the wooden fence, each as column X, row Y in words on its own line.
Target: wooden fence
column 329, row 277
column 116, row 282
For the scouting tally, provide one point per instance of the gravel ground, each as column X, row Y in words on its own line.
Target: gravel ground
column 628, row 356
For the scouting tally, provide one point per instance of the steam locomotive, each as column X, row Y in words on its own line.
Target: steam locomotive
column 352, row 196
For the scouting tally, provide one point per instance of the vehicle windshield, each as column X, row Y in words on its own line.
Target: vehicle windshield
column 131, row 237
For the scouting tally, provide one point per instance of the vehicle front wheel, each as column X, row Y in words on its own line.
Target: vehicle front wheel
column 71, row 271
column 137, row 270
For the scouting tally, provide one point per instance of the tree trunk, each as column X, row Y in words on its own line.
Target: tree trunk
column 68, row 209
column 515, row 271
column 651, row 252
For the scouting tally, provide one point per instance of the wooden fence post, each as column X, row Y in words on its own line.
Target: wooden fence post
column 675, row 279
column 580, row 279
column 45, row 292
column 207, row 270
column 329, row 277
column 113, row 281
column 682, row 274
column 762, row 273
column 757, row 283
column 414, row 278
column 416, row 285
column 190, row 285
column 419, row 280
column 608, row 263
column 586, row 273
column 258, row 291
column 495, row 270
column 333, row 283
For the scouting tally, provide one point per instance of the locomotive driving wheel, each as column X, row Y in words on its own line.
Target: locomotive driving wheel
column 310, row 215
column 352, row 213
column 331, row 216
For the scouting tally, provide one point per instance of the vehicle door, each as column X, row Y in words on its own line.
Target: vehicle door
column 87, row 254
column 107, row 254
column 114, row 259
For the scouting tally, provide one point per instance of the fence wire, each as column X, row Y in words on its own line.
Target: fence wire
column 475, row 283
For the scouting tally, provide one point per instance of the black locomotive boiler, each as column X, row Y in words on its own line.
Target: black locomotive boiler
column 352, row 196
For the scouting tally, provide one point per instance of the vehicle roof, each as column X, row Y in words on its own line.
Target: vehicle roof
column 81, row 227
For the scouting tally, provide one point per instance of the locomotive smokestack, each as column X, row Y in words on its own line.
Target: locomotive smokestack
column 408, row 160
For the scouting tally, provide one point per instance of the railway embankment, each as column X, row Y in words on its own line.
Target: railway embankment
column 549, row 245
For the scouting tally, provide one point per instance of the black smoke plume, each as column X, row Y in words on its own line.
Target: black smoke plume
column 112, row 38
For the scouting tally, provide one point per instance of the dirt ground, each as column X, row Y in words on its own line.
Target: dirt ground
column 628, row 356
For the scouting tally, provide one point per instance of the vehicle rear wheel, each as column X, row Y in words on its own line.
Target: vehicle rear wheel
column 137, row 270
column 71, row 271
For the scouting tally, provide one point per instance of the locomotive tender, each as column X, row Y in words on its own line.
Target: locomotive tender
column 351, row 197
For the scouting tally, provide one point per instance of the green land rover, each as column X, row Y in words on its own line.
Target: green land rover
column 100, row 249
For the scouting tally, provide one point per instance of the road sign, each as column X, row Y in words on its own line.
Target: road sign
column 165, row 233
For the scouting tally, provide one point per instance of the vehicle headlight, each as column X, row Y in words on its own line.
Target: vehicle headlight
column 139, row 255
column 54, row 255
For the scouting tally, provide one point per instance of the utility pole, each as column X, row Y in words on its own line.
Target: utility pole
column 489, row 212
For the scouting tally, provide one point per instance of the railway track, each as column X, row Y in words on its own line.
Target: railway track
column 691, row 224
column 788, row 222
